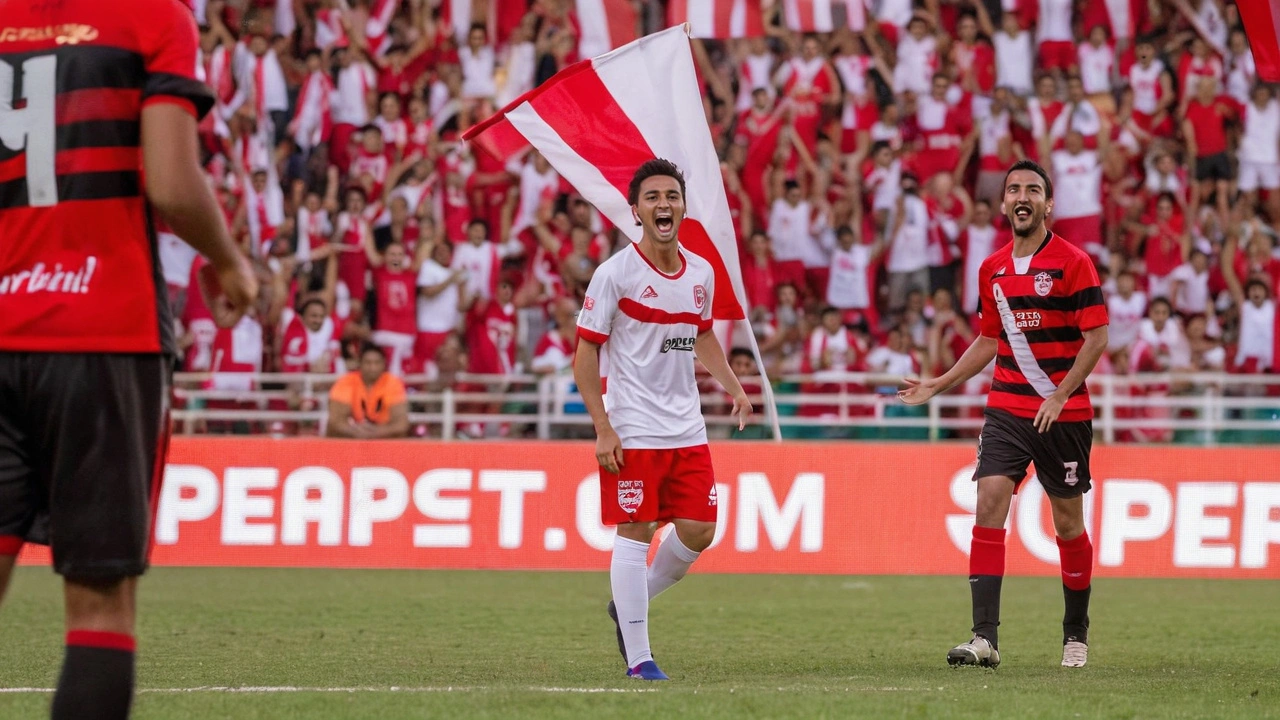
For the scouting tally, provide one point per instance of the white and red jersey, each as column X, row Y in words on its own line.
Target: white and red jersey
column 1193, row 69
column 535, row 189
column 237, row 352
column 218, row 74
column 792, row 230
column 440, row 313
column 1083, row 118
column 1259, row 143
column 477, row 72
column 1077, row 184
column 853, row 73
column 1145, row 83
column 300, row 348
column 262, row 80
column 554, row 353
column 314, row 117
column 397, row 309
column 1126, row 318
column 1257, row 335
column 329, row 28
column 1013, row 70
column 349, row 98
column 198, row 321
column 647, row 323
column 1054, row 22
column 917, row 61
column 314, row 231
column 395, row 133
column 1241, row 73
column 807, row 83
column 491, row 338
column 419, row 138
column 1043, row 115
column 754, row 72
column 834, row 353
column 375, row 165
column 993, row 128
column 1096, row 64
column 482, row 264
column 849, row 286
column 976, row 244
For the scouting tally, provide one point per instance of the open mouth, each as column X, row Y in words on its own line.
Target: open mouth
column 1022, row 212
column 664, row 223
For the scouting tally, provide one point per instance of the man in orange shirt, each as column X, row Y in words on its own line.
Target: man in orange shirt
column 369, row 403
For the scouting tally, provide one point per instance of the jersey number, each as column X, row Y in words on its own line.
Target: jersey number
column 32, row 127
column 1071, row 467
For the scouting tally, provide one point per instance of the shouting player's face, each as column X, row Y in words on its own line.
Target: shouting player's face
column 661, row 208
column 1025, row 203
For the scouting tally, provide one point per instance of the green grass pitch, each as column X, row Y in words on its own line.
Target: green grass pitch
column 425, row 644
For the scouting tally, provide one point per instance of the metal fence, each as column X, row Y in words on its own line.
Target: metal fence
column 1199, row 408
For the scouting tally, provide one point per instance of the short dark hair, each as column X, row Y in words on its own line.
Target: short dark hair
column 369, row 347
column 1256, row 281
column 1032, row 166
column 481, row 222
column 1160, row 300
column 653, row 168
column 741, row 352
column 302, row 310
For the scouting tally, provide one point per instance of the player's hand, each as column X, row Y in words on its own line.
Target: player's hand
column 917, row 392
column 239, row 284
column 1049, row 411
column 741, row 409
column 609, row 450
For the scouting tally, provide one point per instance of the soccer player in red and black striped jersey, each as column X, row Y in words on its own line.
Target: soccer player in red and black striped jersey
column 98, row 112
column 1044, row 323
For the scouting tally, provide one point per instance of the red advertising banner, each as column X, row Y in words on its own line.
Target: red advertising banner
column 847, row 508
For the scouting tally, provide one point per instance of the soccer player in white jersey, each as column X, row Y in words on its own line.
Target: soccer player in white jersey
column 647, row 313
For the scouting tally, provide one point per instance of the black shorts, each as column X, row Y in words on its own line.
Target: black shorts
column 1008, row 444
column 82, row 445
column 1214, row 167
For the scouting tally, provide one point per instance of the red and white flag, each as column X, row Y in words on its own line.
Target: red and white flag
column 822, row 15
column 718, row 19
column 1261, row 20
column 605, row 24
column 598, row 120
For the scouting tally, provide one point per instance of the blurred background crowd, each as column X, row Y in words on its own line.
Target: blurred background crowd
column 864, row 170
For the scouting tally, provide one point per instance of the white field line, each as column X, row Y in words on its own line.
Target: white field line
column 466, row 689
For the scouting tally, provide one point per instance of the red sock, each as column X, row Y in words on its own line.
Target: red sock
column 986, row 553
column 1077, row 561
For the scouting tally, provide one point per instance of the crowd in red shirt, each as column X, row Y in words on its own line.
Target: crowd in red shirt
column 864, row 172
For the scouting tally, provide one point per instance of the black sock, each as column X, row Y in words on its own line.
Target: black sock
column 986, row 606
column 97, row 677
column 1075, row 621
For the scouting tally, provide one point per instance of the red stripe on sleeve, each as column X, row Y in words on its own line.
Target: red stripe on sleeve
column 644, row 313
column 183, row 103
column 98, row 104
column 103, row 640
column 592, row 335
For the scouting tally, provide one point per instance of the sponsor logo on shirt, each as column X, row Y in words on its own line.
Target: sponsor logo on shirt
column 56, row 279
column 1026, row 319
column 681, row 343
column 649, row 292
column 699, row 296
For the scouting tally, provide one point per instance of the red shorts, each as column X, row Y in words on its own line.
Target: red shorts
column 1145, row 123
column 660, row 485
column 1058, row 54
column 427, row 343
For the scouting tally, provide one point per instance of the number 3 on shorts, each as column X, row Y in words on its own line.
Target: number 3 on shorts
column 1070, row 467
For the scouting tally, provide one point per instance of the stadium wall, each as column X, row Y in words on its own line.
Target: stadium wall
column 826, row 508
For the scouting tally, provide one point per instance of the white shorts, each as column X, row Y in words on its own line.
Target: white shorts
column 1254, row 175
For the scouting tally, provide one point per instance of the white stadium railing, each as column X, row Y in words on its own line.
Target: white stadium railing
column 1194, row 408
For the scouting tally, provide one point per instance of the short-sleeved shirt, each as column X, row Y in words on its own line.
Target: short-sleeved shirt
column 647, row 322
column 369, row 404
column 78, row 268
column 1039, row 314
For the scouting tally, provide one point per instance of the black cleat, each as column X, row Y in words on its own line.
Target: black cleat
column 613, row 615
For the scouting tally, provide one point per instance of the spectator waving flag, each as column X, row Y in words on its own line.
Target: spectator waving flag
column 598, row 120
column 821, row 15
column 606, row 24
column 1261, row 20
column 718, row 19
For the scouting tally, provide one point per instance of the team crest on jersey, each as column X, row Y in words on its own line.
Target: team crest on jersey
column 711, row 497
column 588, row 303
column 699, row 296
column 630, row 495
column 1044, row 284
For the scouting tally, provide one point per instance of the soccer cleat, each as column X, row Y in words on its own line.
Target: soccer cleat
column 647, row 670
column 977, row 651
column 1074, row 653
column 613, row 614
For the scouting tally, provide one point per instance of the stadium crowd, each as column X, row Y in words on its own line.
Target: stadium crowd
column 864, row 171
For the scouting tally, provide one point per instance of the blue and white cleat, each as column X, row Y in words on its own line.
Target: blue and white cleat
column 647, row 670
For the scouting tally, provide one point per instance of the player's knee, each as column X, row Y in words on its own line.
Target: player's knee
column 106, row 604
column 639, row 531
column 696, row 536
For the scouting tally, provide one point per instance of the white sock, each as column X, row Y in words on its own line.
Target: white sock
column 670, row 564
column 627, row 576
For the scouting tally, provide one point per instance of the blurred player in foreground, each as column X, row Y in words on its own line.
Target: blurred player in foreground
column 649, row 309
column 1044, row 322
column 93, row 97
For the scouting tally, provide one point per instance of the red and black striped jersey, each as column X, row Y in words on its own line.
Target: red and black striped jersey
column 79, row 270
column 1039, row 317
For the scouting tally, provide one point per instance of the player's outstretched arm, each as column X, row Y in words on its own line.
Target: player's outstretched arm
column 586, row 373
column 977, row 357
column 177, row 189
column 711, row 355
